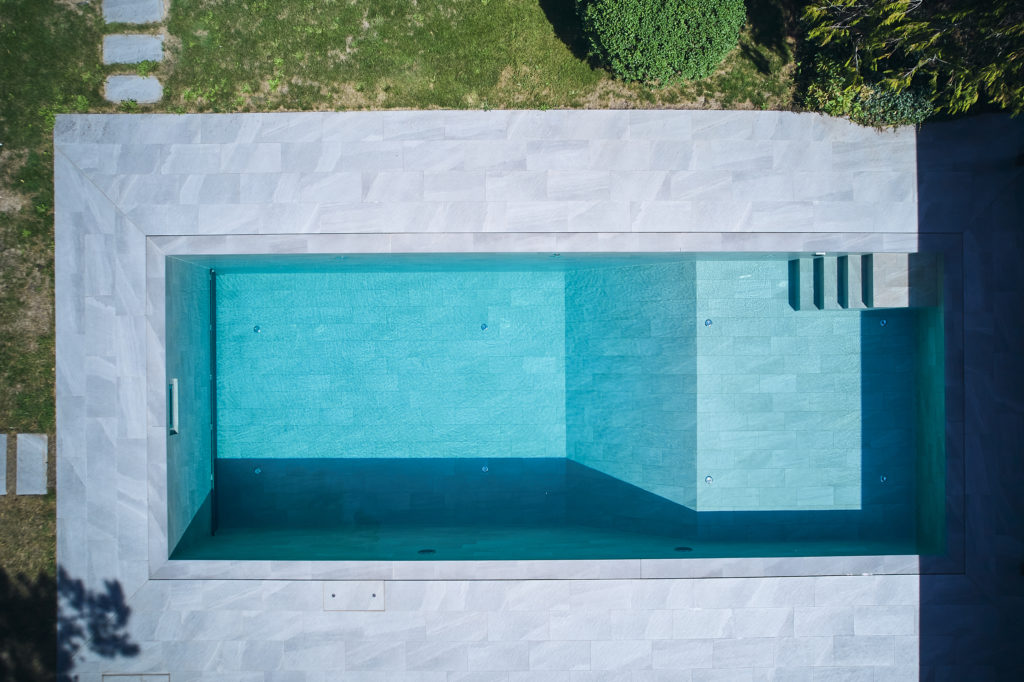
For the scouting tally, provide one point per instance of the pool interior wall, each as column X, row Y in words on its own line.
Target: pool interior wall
column 540, row 406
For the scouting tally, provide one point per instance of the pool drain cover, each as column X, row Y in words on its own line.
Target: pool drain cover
column 427, row 551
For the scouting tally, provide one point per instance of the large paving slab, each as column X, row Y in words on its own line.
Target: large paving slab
column 131, row 190
column 133, row 11
column 144, row 90
column 31, row 473
column 132, row 49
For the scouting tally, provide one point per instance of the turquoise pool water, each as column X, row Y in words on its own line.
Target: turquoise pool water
column 539, row 406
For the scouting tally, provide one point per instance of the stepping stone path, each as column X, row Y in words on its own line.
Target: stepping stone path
column 31, row 464
column 143, row 90
column 132, row 49
column 125, row 48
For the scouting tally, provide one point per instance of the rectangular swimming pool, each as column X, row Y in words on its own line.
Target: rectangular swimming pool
column 543, row 406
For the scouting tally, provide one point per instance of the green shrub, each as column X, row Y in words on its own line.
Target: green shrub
column 661, row 41
column 835, row 91
column 882, row 107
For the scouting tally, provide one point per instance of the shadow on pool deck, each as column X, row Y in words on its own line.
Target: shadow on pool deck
column 971, row 183
column 32, row 649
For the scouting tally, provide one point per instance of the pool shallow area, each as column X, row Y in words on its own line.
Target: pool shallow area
column 543, row 406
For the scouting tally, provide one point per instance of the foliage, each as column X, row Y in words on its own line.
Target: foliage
column 833, row 93
column 881, row 107
column 662, row 41
column 957, row 52
column 146, row 67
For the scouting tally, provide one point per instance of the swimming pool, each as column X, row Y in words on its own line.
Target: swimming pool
column 543, row 406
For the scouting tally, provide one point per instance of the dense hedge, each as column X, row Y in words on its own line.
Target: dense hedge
column 953, row 53
column 661, row 40
column 833, row 91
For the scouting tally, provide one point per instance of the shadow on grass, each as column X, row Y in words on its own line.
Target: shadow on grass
column 772, row 22
column 760, row 62
column 38, row 644
column 567, row 26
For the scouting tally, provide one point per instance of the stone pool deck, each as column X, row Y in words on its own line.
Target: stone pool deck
column 132, row 189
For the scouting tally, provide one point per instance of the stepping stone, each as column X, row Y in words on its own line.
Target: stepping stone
column 31, row 464
column 142, row 90
column 132, row 49
column 133, row 11
column 3, row 464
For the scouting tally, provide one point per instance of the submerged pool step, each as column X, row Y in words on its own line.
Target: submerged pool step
column 826, row 283
column 902, row 280
column 801, row 284
column 871, row 280
column 816, row 283
column 854, row 284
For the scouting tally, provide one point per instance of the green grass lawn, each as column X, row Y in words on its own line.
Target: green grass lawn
column 262, row 55
column 49, row 63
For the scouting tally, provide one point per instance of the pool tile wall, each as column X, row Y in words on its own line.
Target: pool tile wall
column 931, row 454
column 189, row 452
column 390, row 364
column 631, row 375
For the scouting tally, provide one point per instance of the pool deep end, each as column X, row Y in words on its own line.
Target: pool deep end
column 530, row 407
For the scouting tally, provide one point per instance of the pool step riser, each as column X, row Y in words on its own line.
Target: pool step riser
column 857, row 282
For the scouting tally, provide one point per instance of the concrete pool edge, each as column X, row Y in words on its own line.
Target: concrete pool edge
column 103, row 231
column 957, row 619
column 112, row 230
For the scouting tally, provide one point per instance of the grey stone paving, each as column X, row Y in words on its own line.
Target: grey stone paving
column 31, row 472
column 144, row 90
column 3, row 464
column 133, row 11
column 132, row 49
column 132, row 189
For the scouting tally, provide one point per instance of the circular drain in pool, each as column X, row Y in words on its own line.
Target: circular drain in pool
column 427, row 551
column 684, row 549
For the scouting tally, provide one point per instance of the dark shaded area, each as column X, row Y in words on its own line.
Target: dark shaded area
column 756, row 58
column 371, row 492
column 306, row 506
column 28, row 636
column 567, row 26
column 527, row 508
column 971, row 187
column 38, row 642
column 598, row 500
column 772, row 22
